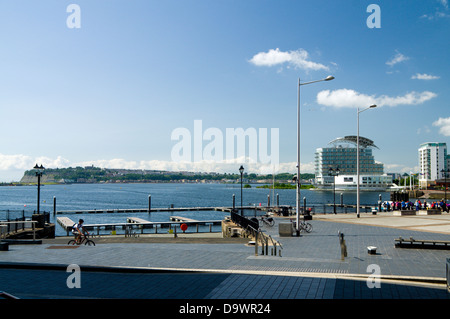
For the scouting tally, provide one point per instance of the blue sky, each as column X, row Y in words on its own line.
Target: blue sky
column 111, row 92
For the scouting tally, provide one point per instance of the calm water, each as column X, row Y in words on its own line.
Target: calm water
column 117, row 196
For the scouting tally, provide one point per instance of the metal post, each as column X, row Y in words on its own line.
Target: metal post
column 357, row 165
column 39, row 192
column 54, row 206
column 268, row 200
column 149, row 203
column 334, row 194
column 256, row 243
column 242, row 209
column 234, row 202
column 278, row 200
column 297, row 206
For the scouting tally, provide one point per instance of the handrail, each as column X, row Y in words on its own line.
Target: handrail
column 264, row 239
column 33, row 222
column 6, row 295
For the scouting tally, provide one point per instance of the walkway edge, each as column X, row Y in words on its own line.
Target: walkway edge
column 407, row 280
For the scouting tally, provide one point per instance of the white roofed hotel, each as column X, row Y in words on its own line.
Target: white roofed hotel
column 341, row 158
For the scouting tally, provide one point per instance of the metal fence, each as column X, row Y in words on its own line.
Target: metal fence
column 243, row 221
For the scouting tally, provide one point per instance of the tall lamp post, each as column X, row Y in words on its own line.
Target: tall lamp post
column 444, row 172
column 331, row 172
column 38, row 170
column 241, row 170
column 357, row 157
column 297, row 201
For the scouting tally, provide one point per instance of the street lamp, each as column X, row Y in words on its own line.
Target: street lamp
column 331, row 173
column 241, row 170
column 444, row 172
column 357, row 158
column 297, row 201
column 38, row 170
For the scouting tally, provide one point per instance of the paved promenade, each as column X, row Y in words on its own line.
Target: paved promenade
column 205, row 266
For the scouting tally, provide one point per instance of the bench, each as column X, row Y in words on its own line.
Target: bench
column 421, row 243
column 404, row 213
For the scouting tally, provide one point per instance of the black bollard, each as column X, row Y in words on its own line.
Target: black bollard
column 149, row 203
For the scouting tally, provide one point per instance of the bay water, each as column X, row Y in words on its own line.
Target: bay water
column 15, row 200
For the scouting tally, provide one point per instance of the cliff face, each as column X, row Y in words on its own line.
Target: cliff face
column 32, row 179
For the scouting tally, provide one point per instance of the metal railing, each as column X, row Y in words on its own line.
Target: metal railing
column 243, row 221
column 7, row 228
column 253, row 230
column 264, row 240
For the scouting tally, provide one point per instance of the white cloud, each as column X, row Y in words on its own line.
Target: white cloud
column 299, row 59
column 444, row 3
column 424, row 76
column 350, row 98
column 439, row 12
column 400, row 168
column 444, row 125
column 397, row 59
column 12, row 167
column 25, row 162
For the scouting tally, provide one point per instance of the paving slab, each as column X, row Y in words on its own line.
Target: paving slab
column 310, row 266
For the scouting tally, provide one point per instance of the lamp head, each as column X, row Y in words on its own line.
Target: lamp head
column 329, row 78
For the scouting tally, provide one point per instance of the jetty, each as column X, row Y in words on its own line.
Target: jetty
column 141, row 225
column 152, row 210
column 134, row 225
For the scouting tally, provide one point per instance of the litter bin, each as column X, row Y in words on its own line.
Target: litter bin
column 4, row 246
column 285, row 229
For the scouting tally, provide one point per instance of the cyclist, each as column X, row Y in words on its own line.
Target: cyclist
column 78, row 230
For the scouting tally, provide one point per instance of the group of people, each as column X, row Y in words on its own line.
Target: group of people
column 418, row 205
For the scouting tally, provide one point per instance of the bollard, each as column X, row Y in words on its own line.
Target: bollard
column 343, row 245
column 256, row 244
column 149, row 203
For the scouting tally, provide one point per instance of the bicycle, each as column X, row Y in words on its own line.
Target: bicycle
column 269, row 221
column 84, row 239
column 304, row 226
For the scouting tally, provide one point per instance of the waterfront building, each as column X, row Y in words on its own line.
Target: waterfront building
column 342, row 155
column 433, row 159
